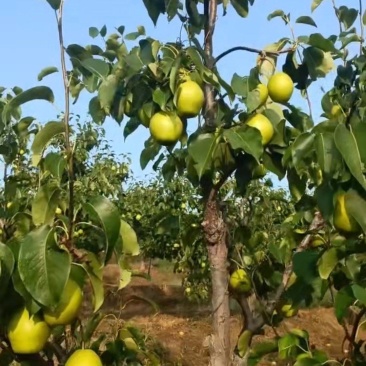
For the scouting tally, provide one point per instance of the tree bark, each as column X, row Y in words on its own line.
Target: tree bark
column 216, row 239
column 214, row 225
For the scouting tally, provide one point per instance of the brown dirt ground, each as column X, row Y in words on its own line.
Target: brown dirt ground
column 178, row 327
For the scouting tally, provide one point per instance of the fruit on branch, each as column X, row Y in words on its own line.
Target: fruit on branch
column 128, row 105
column 280, row 87
column 189, row 99
column 240, row 281
column 287, row 310
column 166, row 128
column 317, row 241
column 335, row 111
column 68, row 308
column 27, row 333
column 341, row 219
column 264, row 125
column 143, row 117
column 84, row 357
column 263, row 93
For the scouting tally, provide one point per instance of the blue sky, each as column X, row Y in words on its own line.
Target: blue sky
column 29, row 43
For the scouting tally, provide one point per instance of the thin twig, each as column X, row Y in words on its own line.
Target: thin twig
column 362, row 35
column 69, row 148
column 254, row 50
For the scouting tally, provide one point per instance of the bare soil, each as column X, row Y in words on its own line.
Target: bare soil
column 179, row 327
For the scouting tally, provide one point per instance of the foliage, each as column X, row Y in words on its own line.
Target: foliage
column 62, row 206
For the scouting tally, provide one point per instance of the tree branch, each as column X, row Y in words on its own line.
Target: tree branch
column 257, row 322
column 69, row 148
column 254, row 50
column 361, row 26
column 210, row 12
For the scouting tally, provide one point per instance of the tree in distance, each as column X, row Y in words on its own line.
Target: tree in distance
column 166, row 128
column 280, row 87
column 189, row 99
column 342, row 220
column 27, row 334
column 264, row 125
column 68, row 308
column 263, row 93
column 240, row 281
column 84, row 357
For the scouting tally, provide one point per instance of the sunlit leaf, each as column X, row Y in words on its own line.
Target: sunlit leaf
column 47, row 71
column 105, row 213
column 43, row 138
column 45, row 203
column 130, row 243
column 43, row 266
column 347, row 145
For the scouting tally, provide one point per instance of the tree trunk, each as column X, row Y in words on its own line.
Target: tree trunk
column 216, row 240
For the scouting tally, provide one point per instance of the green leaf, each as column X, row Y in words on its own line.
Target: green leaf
column 36, row 93
column 359, row 293
column 307, row 361
column 327, row 262
column 356, row 207
column 103, row 211
column 347, row 16
column 55, row 4
column 359, row 132
column 343, row 300
column 103, row 31
column 315, row 4
column 305, row 266
column 94, row 270
column 130, row 127
column 43, row 266
column 275, row 14
column 154, row 9
column 55, row 163
column 298, row 119
column 328, row 157
column 319, row 63
column 44, row 137
column 306, row 20
column 302, row 147
column 125, row 279
column 347, row 145
column 364, row 18
column 247, row 139
column 7, row 263
column 130, row 243
column 287, row 346
column 45, row 203
column 97, row 113
column 47, row 71
column 193, row 13
column 317, row 40
column 161, row 97
column 93, row 32
column 96, row 66
column 107, row 91
column 134, row 35
column 241, row 7
column 202, row 151
column 195, row 57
